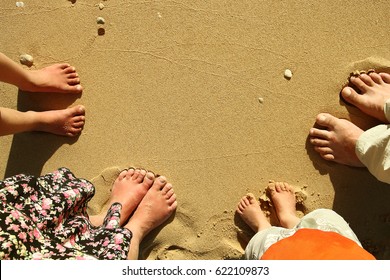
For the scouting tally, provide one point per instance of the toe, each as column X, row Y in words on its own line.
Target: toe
column 149, row 179
column 385, row 77
column 172, row 201
column 63, row 66
column 73, row 82
column 159, row 183
column 376, row 78
column 166, row 188
column 367, row 79
column 319, row 142
column 351, row 96
column 319, row 133
column 326, row 120
column 122, row 175
column 329, row 157
column 169, row 193
column 69, row 69
column 359, row 83
column 141, row 176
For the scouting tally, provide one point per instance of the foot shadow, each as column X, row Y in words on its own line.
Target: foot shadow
column 30, row 150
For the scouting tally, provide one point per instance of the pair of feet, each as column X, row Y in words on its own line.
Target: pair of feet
column 59, row 78
column 336, row 140
column 148, row 201
column 284, row 201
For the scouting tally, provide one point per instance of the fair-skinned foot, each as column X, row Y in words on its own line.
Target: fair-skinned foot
column 249, row 210
column 155, row 208
column 129, row 189
column 67, row 122
column 283, row 199
column 374, row 92
column 61, row 78
column 336, row 141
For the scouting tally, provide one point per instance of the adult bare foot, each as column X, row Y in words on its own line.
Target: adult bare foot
column 249, row 210
column 337, row 141
column 129, row 189
column 374, row 92
column 61, row 78
column 155, row 208
column 283, row 198
column 67, row 122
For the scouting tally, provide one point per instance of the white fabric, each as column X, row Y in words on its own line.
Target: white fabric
column 373, row 149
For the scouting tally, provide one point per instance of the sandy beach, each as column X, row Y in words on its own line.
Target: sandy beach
column 195, row 91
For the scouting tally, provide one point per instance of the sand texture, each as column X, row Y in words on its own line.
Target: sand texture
column 196, row 91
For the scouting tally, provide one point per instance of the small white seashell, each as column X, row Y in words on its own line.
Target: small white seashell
column 101, row 6
column 20, row 4
column 100, row 20
column 26, row 59
column 288, row 74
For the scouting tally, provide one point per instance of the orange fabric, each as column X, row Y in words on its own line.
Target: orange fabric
column 314, row 244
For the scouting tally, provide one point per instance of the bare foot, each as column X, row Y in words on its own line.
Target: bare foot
column 66, row 122
column 249, row 210
column 60, row 78
column 155, row 208
column 374, row 92
column 129, row 189
column 337, row 141
column 283, row 198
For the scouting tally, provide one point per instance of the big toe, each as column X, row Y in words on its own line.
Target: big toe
column 326, row 120
column 351, row 96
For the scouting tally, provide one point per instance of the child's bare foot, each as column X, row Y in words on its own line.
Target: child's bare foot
column 60, row 78
column 374, row 92
column 337, row 141
column 66, row 122
column 283, row 198
column 249, row 210
column 155, row 208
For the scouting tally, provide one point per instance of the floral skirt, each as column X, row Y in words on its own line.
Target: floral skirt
column 45, row 218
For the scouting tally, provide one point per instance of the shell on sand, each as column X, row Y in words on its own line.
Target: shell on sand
column 26, row 59
column 288, row 74
column 100, row 20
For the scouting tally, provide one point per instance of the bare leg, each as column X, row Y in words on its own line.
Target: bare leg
column 60, row 78
column 249, row 210
column 374, row 92
column 67, row 122
column 337, row 141
column 155, row 208
column 283, row 198
column 128, row 189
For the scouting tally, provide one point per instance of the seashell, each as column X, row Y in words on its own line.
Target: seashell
column 26, row 59
column 20, row 4
column 100, row 20
column 288, row 74
column 261, row 100
column 101, row 6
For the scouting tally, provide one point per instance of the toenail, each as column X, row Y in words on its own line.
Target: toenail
column 347, row 92
column 162, row 179
column 150, row 175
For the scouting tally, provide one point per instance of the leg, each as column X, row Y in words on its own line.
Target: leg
column 374, row 92
column 337, row 142
column 155, row 208
column 55, row 78
column 249, row 210
column 67, row 122
column 283, row 198
column 128, row 189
